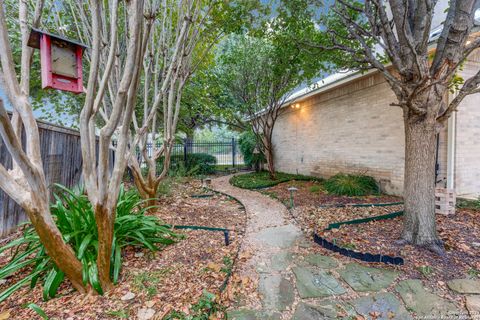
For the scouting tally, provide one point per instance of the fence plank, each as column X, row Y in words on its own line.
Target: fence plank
column 62, row 162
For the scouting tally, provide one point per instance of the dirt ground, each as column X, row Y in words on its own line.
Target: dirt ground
column 171, row 279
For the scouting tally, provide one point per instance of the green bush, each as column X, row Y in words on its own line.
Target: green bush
column 315, row 189
column 75, row 219
column 196, row 164
column 351, row 185
column 247, row 142
column 259, row 180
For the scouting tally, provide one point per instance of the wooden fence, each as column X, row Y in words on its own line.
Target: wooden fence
column 62, row 162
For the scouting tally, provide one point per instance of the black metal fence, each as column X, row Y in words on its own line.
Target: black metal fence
column 226, row 152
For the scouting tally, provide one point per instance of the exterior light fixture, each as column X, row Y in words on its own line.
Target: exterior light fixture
column 295, row 106
column 292, row 190
column 61, row 61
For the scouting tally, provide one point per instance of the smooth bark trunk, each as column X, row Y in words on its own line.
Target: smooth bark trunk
column 419, row 188
column 105, row 223
column 59, row 251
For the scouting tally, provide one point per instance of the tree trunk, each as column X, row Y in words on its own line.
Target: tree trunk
column 60, row 252
column 105, row 223
column 419, row 185
column 268, row 151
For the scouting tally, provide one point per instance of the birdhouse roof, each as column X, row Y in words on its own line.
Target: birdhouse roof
column 34, row 39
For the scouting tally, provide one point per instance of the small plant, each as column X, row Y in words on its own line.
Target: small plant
column 351, row 185
column 426, row 271
column 74, row 216
column 468, row 204
column 315, row 189
column 473, row 273
column 350, row 246
column 147, row 281
column 121, row 314
column 228, row 265
column 206, row 308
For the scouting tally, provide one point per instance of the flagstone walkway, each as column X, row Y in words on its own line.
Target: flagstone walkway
column 296, row 284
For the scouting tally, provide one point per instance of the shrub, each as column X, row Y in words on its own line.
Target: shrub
column 196, row 164
column 247, row 142
column 351, row 185
column 315, row 189
column 259, row 180
column 75, row 219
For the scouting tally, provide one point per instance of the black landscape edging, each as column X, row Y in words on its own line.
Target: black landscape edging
column 363, row 256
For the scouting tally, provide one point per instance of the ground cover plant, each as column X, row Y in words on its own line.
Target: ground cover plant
column 351, row 185
column 74, row 217
column 258, row 180
column 173, row 279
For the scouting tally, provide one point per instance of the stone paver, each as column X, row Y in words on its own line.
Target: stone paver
column 280, row 237
column 271, row 238
column 312, row 283
column 422, row 302
column 362, row 278
column 384, row 305
column 321, row 261
column 325, row 309
column 473, row 306
column 278, row 292
column 464, row 285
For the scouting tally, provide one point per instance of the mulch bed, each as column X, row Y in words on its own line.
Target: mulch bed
column 171, row 279
column 460, row 233
column 311, row 193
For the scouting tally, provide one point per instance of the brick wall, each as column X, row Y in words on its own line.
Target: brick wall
column 350, row 129
column 467, row 157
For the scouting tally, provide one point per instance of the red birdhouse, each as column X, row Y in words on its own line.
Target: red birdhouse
column 61, row 61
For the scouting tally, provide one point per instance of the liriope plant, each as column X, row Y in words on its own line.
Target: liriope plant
column 74, row 217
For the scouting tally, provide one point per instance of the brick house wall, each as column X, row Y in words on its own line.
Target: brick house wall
column 351, row 129
column 467, row 143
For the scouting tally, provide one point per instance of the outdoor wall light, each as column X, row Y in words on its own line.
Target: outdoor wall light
column 295, row 106
column 292, row 191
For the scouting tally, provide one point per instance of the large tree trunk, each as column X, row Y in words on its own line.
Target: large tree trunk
column 419, row 184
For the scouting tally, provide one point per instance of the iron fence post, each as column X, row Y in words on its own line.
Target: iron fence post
column 234, row 147
column 185, row 150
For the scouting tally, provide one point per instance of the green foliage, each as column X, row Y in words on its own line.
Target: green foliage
column 351, row 185
column 202, row 310
column 258, row 180
column 247, row 143
column 196, row 164
column 38, row 310
column 315, row 189
column 121, row 314
column 75, row 219
column 468, row 204
column 148, row 281
column 426, row 270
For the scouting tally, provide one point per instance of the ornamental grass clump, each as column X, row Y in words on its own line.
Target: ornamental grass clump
column 75, row 219
column 351, row 185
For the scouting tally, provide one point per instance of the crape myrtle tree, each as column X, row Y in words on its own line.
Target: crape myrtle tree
column 26, row 183
column 117, row 33
column 114, row 31
column 262, row 67
column 393, row 37
column 179, row 45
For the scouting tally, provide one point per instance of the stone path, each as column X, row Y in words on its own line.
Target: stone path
column 299, row 285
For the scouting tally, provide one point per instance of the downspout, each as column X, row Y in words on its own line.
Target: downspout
column 452, row 121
